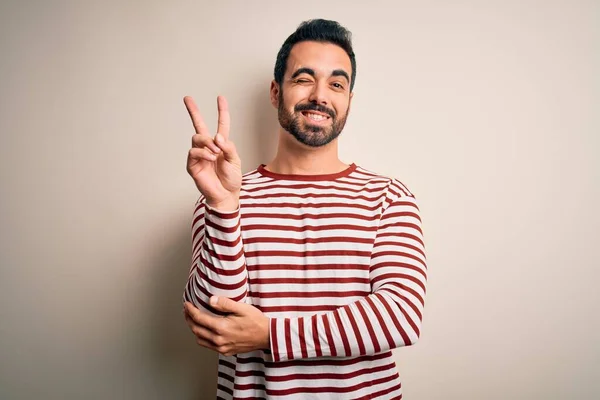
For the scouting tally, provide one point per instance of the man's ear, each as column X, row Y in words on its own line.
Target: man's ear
column 275, row 93
column 350, row 100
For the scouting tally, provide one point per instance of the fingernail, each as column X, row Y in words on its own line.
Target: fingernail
column 214, row 300
column 218, row 138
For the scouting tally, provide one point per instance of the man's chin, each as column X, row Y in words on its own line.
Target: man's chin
column 313, row 139
column 308, row 128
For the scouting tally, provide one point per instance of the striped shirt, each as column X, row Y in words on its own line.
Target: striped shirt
column 337, row 262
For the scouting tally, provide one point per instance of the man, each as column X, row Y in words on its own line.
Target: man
column 306, row 271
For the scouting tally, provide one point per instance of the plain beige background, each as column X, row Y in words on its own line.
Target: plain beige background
column 487, row 110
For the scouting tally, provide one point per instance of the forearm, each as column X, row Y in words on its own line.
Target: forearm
column 218, row 266
column 377, row 323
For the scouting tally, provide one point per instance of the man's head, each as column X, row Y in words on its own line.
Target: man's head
column 314, row 78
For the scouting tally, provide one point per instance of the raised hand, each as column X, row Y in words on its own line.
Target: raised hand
column 213, row 163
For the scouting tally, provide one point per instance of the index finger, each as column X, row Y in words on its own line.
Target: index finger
column 200, row 318
column 197, row 121
column 224, row 118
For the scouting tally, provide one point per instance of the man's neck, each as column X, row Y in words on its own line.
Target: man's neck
column 294, row 158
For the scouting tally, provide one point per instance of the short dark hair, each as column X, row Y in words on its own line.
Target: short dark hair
column 317, row 30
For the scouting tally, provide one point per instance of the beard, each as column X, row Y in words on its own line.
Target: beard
column 306, row 133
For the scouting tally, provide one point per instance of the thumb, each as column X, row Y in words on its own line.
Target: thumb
column 228, row 148
column 224, row 304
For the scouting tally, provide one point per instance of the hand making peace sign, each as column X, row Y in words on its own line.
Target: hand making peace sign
column 214, row 163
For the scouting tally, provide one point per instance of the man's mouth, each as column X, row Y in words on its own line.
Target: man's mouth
column 314, row 116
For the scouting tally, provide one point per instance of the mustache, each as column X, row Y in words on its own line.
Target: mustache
column 314, row 107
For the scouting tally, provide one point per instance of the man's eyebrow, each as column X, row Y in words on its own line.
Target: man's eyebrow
column 311, row 72
column 304, row 70
column 341, row 72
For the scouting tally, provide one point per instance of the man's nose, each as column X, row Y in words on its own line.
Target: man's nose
column 318, row 94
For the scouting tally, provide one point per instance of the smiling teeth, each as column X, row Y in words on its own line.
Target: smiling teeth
column 316, row 117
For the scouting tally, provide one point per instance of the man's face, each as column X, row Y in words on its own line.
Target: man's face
column 314, row 98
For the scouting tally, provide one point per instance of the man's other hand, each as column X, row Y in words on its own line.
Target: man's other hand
column 245, row 328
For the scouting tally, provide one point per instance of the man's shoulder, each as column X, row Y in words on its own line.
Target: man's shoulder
column 390, row 184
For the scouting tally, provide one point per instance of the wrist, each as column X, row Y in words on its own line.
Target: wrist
column 227, row 205
column 267, row 334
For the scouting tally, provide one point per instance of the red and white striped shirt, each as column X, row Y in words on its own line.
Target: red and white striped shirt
column 337, row 262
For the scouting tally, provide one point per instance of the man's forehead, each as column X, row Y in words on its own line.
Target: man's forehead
column 322, row 58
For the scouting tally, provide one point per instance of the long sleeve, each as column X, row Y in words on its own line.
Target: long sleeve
column 387, row 318
column 218, row 262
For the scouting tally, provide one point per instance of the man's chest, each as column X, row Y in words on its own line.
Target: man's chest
column 309, row 257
